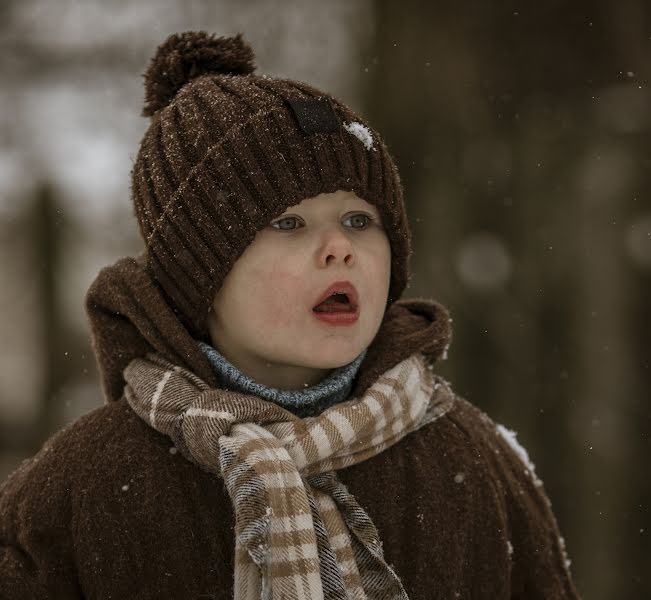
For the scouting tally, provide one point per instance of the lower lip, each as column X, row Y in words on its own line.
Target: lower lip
column 337, row 318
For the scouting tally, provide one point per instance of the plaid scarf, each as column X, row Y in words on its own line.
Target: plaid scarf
column 299, row 533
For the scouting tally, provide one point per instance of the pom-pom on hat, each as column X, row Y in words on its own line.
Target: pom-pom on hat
column 228, row 150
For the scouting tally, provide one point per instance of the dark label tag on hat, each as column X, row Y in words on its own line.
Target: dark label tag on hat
column 315, row 115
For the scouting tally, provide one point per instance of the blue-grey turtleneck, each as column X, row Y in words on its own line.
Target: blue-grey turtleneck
column 305, row 403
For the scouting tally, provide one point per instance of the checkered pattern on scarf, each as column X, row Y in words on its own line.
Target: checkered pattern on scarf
column 300, row 535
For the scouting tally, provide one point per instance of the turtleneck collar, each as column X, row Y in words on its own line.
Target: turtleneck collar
column 309, row 402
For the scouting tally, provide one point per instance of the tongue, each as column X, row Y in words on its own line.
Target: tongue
column 333, row 304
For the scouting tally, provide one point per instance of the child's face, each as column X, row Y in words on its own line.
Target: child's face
column 262, row 319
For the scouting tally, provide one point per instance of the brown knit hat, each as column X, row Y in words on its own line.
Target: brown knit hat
column 227, row 151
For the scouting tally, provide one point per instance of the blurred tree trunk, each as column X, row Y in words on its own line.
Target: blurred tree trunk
column 47, row 231
column 56, row 361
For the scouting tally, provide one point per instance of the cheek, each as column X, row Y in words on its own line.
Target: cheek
column 380, row 266
column 275, row 293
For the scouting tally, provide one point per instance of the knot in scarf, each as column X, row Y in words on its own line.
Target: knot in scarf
column 299, row 532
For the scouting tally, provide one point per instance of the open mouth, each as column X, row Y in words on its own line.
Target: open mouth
column 337, row 302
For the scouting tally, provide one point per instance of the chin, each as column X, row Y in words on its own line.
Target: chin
column 335, row 358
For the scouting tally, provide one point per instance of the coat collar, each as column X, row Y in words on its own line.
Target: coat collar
column 129, row 317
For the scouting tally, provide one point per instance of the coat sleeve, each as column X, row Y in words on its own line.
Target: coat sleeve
column 539, row 562
column 36, row 559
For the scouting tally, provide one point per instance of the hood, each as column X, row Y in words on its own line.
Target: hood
column 130, row 317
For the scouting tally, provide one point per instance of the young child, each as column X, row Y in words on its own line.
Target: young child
column 273, row 425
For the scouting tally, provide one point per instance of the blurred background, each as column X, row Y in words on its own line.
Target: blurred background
column 521, row 131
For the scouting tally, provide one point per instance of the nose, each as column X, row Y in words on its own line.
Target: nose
column 335, row 247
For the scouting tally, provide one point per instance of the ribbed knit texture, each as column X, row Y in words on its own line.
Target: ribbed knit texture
column 308, row 402
column 225, row 157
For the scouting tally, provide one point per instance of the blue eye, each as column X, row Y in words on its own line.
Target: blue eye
column 364, row 224
column 359, row 219
column 283, row 220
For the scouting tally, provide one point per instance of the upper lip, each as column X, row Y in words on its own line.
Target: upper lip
column 340, row 287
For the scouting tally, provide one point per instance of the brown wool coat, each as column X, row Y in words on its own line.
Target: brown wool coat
column 107, row 509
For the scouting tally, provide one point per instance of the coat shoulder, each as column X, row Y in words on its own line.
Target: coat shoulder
column 102, row 440
column 502, row 454
column 108, row 481
column 540, row 564
column 469, row 434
